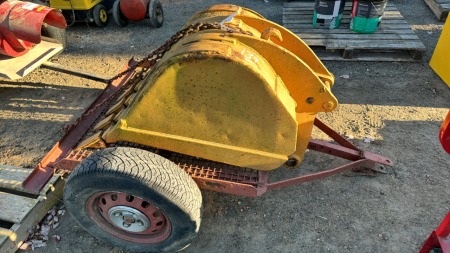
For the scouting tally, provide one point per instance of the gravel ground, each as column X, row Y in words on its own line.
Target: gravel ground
column 403, row 104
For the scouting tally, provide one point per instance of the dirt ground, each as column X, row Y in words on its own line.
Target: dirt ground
column 403, row 104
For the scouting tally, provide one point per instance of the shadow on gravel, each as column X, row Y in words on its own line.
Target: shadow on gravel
column 30, row 101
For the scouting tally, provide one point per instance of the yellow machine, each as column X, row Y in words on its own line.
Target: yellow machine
column 84, row 10
column 77, row 4
column 248, row 99
column 441, row 55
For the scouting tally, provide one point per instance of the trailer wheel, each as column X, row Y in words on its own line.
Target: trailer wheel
column 118, row 16
column 55, row 33
column 135, row 200
column 156, row 13
column 100, row 15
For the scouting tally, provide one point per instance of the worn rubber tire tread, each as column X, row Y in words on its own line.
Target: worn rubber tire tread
column 152, row 6
column 153, row 178
column 96, row 14
column 118, row 16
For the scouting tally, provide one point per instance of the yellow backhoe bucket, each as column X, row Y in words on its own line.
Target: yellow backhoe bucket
column 247, row 99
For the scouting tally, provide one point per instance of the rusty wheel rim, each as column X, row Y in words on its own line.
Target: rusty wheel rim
column 128, row 217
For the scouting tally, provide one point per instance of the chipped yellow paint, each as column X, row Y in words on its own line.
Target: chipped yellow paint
column 227, row 97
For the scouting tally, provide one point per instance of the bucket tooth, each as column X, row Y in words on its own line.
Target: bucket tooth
column 129, row 99
column 105, row 122
column 138, row 86
column 105, row 133
column 95, row 141
column 118, row 116
column 116, row 107
column 125, row 94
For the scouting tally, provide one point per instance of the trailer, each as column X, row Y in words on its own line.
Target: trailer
column 227, row 99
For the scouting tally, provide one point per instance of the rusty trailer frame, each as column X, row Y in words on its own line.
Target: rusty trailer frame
column 208, row 175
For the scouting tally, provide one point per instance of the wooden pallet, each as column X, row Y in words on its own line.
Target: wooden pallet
column 441, row 8
column 20, row 209
column 394, row 39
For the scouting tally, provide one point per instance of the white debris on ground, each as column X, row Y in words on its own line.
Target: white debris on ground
column 369, row 136
column 345, row 76
column 369, row 140
column 38, row 234
column 57, row 238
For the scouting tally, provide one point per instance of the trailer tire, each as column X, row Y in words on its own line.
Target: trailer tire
column 118, row 16
column 155, row 13
column 142, row 180
column 55, row 33
column 100, row 14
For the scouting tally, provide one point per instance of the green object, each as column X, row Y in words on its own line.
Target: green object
column 367, row 15
column 328, row 13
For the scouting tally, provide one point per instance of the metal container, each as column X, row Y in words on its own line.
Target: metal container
column 367, row 15
column 328, row 13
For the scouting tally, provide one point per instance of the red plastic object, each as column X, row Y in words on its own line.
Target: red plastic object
column 20, row 25
column 444, row 134
column 135, row 10
column 439, row 238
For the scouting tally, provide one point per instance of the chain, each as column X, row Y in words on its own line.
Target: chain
column 152, row 59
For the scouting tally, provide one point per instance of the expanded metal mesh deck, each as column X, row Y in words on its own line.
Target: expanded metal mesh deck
column 194, row 166
column 201, row 168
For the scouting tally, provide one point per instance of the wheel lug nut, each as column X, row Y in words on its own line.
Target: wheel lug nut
column 118, row 214
column 140, row 223
column 126, row 225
